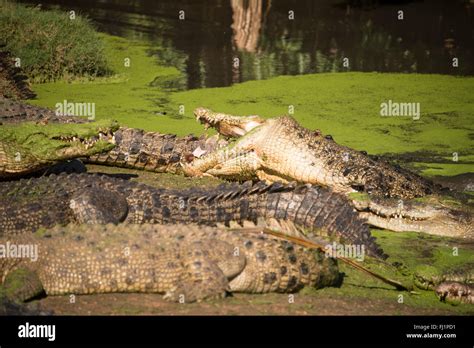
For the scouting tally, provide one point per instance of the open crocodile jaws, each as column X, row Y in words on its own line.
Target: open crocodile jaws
column 281, row 148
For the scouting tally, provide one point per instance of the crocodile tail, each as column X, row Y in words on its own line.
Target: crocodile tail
column 325, row 213
column 312, row 208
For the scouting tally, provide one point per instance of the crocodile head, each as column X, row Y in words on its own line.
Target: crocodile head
column 432, row 214
column 227, row 125
column 27, row 147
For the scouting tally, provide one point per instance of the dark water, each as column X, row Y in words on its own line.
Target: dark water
column 267, row 43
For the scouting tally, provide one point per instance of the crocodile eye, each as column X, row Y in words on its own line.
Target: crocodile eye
column 197, row 264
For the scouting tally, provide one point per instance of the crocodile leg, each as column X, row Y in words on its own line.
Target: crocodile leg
column 203, row 280
column 233, row 161
column 98, row 206
column 208, row 266
column 243, row 166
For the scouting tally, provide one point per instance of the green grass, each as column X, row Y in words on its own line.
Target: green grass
column 126, row 96
column 345, row 105
column 50, row 44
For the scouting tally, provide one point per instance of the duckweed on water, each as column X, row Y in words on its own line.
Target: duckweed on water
column 345, row 105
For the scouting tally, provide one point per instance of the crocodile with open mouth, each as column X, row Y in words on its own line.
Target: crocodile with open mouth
column 135, row 148
column 279, row 149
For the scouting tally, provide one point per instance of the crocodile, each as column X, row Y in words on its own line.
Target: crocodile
column 280, row 150
column 92, row 198
column 28, row 147
column 154, row 151
column 157, row 152
column 185, row 263
column 129, row 147
column 435, row 214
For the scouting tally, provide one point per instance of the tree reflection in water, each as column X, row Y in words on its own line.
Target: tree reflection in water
column 267, row 43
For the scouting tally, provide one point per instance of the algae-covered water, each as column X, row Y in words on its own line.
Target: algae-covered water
column 292, row 37
column 345, row 105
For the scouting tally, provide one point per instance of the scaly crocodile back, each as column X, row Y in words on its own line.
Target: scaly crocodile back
column 345, row 167
column 153, row 151
column 185, row 262
column 313, row 208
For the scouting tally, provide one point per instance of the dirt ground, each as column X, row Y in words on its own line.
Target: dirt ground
column 238, row 304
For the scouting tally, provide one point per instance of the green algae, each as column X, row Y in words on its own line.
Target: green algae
column 359, row 196
column 345, row 105
column 409, row 253
column 125, row 96
column 446, row 169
